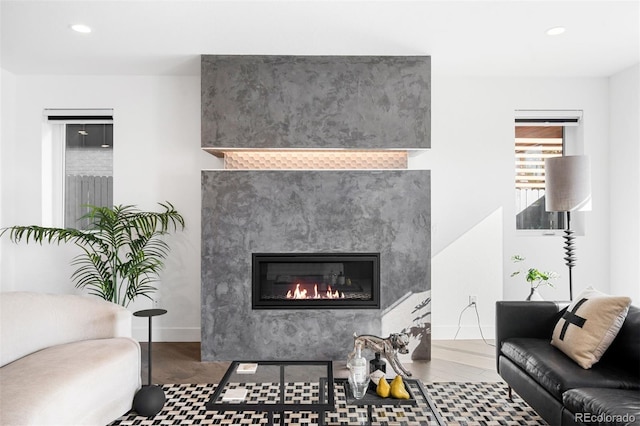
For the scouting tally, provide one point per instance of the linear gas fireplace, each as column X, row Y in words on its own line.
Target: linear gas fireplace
column 315, row 280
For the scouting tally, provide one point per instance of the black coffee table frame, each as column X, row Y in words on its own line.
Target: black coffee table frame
column 324, row 404
column 371, row 400
column 326, row 394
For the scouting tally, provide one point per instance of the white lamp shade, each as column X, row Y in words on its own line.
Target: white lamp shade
column 568, row 183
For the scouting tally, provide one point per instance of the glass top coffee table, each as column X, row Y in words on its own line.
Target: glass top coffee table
column 294, row 392
column 276, row 387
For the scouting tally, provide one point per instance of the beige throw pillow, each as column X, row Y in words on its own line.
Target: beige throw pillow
column 589, row 325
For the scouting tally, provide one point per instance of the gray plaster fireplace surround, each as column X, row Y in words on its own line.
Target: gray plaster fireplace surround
column 356, row 241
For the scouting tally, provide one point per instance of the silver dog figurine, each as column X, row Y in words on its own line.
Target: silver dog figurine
column 386, row 346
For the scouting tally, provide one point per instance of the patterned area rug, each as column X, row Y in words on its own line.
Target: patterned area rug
column 464, row 404
column 482, row 404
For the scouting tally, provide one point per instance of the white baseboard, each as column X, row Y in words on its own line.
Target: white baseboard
column 167, row 334
column 192, row 334
column 466, row 332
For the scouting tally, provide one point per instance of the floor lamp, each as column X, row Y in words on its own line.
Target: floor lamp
column 568, row 189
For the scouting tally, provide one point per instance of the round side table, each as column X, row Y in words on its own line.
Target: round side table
column 150, row 399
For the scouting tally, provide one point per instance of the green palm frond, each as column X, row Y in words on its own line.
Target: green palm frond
column 93, row 273
column 123, row 249
column 40, row 234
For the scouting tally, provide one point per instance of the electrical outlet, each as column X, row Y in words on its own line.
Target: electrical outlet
column 473, row 299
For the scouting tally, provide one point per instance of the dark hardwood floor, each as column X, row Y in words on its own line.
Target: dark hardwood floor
column 452, row 361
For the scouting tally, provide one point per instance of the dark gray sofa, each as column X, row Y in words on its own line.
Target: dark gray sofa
column 562, row 392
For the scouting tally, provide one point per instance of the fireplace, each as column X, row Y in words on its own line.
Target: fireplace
column 370, row 105
column 315, row 280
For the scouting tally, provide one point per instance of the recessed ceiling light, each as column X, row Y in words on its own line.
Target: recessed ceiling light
column 81, row 28
column 556, row 31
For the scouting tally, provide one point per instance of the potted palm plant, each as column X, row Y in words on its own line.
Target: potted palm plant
column 122, row 249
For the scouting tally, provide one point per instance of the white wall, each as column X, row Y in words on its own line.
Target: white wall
column 7, row 132
column 158, row 157
column 473, row 206
column 624, row 162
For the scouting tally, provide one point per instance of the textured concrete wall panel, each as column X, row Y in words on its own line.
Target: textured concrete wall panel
column 306, row 211
column 316, row 101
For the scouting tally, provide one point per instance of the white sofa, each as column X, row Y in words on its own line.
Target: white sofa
column 65, row 360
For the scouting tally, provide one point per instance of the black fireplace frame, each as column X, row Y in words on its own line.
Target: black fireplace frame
column 258, row 303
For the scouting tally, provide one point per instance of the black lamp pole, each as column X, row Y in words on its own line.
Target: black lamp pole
column 570, row 259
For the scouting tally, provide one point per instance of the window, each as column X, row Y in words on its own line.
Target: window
column 540, row 135
column 81, row 151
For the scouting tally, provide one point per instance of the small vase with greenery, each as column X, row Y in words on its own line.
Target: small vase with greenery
column 534, row 277
column 122, row 249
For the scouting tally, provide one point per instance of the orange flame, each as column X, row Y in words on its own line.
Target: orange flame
column 301, row 293
column 297, row 294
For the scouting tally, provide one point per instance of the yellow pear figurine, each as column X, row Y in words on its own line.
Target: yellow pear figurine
column 398, row 390
column 383, row 389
